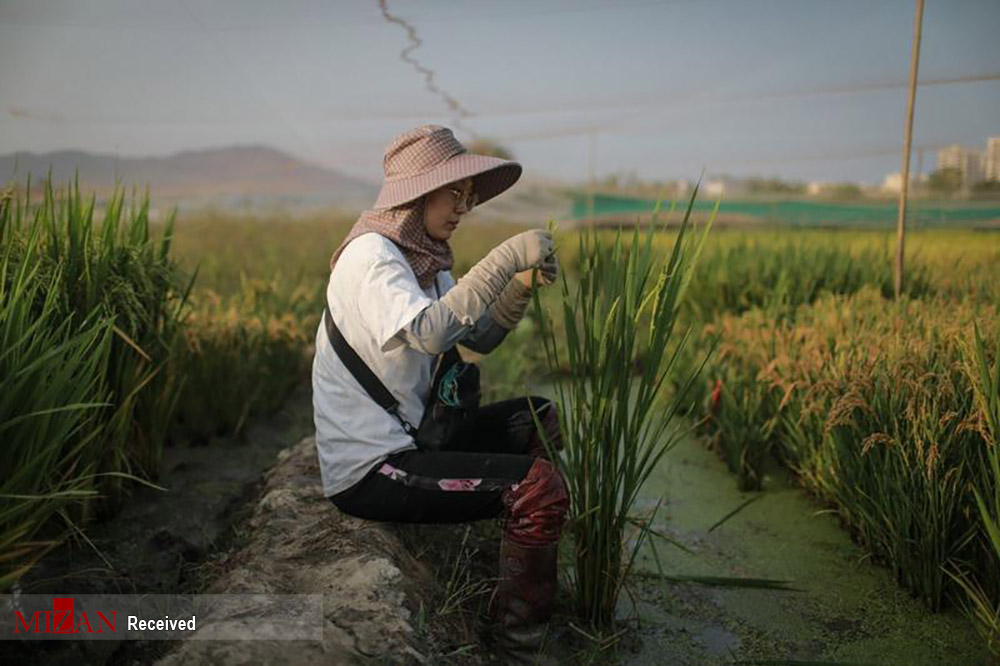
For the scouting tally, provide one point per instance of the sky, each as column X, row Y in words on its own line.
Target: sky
column 800, row 89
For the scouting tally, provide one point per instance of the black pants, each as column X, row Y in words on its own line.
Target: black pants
column 461, row 483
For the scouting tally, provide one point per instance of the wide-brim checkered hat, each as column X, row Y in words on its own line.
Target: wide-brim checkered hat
column 428, row 157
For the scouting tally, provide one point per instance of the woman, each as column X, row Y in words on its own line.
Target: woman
column 395, row 302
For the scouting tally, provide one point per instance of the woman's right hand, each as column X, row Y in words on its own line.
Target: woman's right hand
column 545, row 274
column 529, row 249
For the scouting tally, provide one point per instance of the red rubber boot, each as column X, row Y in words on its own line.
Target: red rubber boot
column 524, row 599
column 529, row 547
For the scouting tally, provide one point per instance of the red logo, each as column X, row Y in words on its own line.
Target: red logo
column 60, row 620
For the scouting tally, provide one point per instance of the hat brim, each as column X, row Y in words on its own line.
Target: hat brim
column 490, row 176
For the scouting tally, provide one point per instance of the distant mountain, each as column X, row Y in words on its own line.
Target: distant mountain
column 239, row 176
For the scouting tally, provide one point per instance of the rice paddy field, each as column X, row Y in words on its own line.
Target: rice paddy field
column 787, row 363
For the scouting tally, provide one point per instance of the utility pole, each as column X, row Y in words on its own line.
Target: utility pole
column 591, row 176
column 907, row 139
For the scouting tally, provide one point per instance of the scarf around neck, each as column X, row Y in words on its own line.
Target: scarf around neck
column 404, row 226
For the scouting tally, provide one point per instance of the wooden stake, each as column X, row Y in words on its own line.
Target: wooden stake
column 591, row 176
column 907, row 139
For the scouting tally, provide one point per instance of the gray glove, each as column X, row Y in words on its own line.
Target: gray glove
column 509, row 308
column 528, row 249
column 549, row 270
column 436, row 328
column 478, row 288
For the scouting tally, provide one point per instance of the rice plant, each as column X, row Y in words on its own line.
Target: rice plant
column 92, row 409
column 781, row 274
column 781, row 270
column 52, row 399
column 241, row 355
column 872, row 408
column 983, row 604
column 742, row 417
column 624, row 306
column 111, row 266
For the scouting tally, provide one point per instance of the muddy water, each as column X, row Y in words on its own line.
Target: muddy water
column 843, row 608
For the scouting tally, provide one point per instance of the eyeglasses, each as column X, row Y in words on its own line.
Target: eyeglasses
column 462, row 199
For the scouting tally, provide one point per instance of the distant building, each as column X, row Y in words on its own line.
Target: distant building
column 826, row 188
column 893, row 182
column 714, row 188
column 991, row 159
column 725, row 185
column 816, row 187
column 968, row 162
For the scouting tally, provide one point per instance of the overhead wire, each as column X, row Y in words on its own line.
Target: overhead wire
column 428, row 74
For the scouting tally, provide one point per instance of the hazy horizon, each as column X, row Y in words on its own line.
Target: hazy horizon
column 800, row 90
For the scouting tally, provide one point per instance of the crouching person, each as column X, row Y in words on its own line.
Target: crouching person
column 393, row 308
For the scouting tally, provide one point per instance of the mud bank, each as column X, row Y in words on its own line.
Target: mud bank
column 298, row 543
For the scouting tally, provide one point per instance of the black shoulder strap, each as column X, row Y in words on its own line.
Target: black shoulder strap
column 368, row 380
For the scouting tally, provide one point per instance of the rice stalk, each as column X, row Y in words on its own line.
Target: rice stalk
column 624, row 307
column 983, row 605
column 52, row 400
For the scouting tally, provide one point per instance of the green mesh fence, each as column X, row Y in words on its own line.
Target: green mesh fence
column 805, row 213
